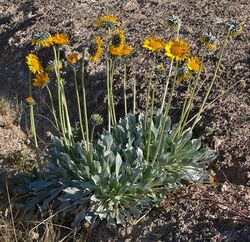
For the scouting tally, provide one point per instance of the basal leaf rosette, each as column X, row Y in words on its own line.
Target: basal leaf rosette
column 120, row 183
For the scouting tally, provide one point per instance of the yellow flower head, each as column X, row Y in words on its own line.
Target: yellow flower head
column 60, row 39
column 42, row 40
column 117, row 37
column 41, row 80
column 209, row 41
column 154, row 43
column 34, row 64
column 233, row 29
column 95, row 49
column 193, row 64
column 122, row 50
column 107, row 21
column 183, row 73
column 177, row 49
column 72, row 58
column 29, row 100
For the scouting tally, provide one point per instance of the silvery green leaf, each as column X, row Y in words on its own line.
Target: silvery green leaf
column 107, row 152
column 78, row 219
column 139, row 153
column 194, row 174
column 155, row 131
column 136, row 174
column 135, row 211
column 71, row 190
column 52, row 195
column 34, row 201
column 108, row 141
column 118, row 164
column 97, row 166
column 39, row 185
column 94, row 198
column 196, row 144
column 96, row 179
column 110, row 222
column 120, row 218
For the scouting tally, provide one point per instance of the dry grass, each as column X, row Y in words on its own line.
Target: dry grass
column 13, row 227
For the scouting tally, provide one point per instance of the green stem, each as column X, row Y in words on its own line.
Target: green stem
column 150, row 126
column 91, row 147
column 108, row 90
column 124, row 92
column 166, row 86
column 168, row 105
column 85, row 104
column 53, row 107
column 184, row 111
column 33, row 126
column 194, row 92
column 134, row 96
column 149, row 90
column 62, row 121
column 79, row 106
column 211, row 84
column 111, row 91
column 210, row 103
column 64, row 101
column 178, row 30
column 162, row 124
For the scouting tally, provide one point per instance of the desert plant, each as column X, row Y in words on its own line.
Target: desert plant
column 135, row 161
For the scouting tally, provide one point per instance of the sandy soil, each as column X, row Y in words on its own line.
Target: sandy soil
column 186, row 219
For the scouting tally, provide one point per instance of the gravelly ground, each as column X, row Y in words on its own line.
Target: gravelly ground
column 229, row 117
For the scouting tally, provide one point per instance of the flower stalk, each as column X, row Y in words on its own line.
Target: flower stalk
column 124, row 91
column 33, row 126
column 211, row 84
column 149, row 89
column 53, row 107
column 134, row 96
column 150, row 124
column 88, row 145
column 79, row 105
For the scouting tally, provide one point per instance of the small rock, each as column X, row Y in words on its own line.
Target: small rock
column 131, row 6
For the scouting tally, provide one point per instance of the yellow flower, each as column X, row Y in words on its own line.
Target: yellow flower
column 29, row 100
column 117, row 37
column 209, row 41
column 183, row 73
column 72, row 58
column 60, row 39
column 154, row 43
column 122, row 50
column 41, row 80
column 193, row 64
column 95, row 49
column 42, row 40
column 107, row 21
column 34, row 64
column 177, row 49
